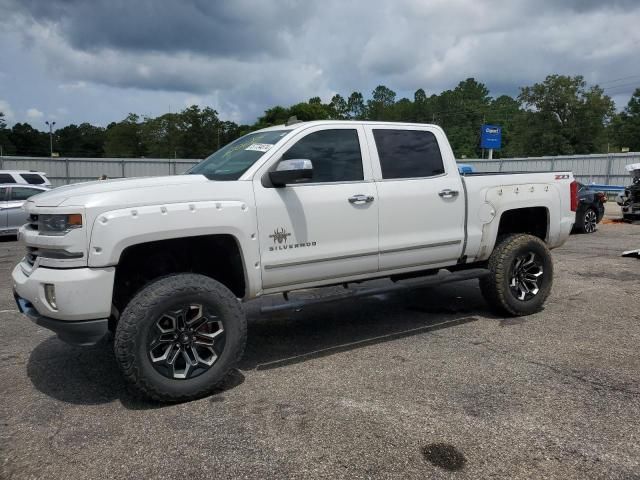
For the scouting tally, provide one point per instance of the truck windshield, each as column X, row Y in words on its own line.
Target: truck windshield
column 232, row 160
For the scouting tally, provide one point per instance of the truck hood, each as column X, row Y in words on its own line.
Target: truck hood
column 81, row 193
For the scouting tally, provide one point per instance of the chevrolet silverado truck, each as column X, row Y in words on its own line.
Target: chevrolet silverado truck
column 164, row 263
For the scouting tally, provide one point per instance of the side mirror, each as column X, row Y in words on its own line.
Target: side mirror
column 291, row 171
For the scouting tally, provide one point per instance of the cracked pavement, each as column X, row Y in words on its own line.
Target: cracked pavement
column 358, row 389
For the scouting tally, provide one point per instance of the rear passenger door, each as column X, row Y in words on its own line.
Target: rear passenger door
column 421, row 201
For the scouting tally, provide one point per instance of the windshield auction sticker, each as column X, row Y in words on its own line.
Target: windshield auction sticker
column 259, row 147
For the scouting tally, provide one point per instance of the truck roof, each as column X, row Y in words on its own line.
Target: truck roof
column 355, row 122
column 23, row 171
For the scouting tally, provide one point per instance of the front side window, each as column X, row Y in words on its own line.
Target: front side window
column 22, row 193
column 232, row 160
column 335, row 155
column 408, row 153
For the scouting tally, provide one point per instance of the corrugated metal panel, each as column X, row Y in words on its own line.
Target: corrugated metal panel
column 604, row 169
column 92, row 169
column 149, row 168
column 483, row 165
column 182, row 167
column 62, row 171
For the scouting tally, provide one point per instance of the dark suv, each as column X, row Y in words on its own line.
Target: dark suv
column 590, row 209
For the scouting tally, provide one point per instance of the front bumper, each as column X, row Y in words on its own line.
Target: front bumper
column 82, row 332
column 631, row 212
column 82, row 300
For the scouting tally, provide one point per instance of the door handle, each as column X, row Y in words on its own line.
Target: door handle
column 360, row 199
column 447, row 193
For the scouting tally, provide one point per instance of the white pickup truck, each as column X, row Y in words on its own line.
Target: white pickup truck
column 164, row 263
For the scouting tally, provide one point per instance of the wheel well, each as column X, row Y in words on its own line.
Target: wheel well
column 531, row 220
column 217, row 256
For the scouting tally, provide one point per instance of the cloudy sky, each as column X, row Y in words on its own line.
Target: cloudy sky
column 73, row 61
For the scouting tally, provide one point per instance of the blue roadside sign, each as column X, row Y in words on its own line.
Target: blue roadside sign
column 491, row 136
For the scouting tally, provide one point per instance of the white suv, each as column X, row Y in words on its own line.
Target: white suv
column 29, row 177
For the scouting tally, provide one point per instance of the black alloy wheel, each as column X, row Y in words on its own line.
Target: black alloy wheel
column 187, row 342
column 526, row 274
column 590, row 220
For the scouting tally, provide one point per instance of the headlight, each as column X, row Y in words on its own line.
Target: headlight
column 58, row 224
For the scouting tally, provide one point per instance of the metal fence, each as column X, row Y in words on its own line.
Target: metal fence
column 605, row 169
column 600, row 169
column 62, row 171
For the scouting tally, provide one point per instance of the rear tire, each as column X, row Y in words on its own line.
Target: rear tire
column 521, row 275
column 588, row 221
column 180, row 337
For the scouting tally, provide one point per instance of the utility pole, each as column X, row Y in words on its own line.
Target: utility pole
column 51, row 124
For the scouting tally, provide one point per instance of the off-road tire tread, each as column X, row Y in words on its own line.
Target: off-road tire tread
column 497, row 264
column 160, row 289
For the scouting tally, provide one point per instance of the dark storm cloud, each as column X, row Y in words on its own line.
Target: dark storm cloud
column 588, row 5
column 243, row 56
column 239, row 27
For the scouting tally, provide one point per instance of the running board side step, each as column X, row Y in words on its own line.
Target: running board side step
column 440, row 278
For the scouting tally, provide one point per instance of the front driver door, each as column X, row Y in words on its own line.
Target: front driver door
column 324, row 229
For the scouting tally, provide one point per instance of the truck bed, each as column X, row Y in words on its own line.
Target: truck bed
column 489, row 194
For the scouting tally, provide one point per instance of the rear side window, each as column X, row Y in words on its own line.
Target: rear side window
column 7, row 178
column 3, row 193
column 335, row 155
column 408, row 153
column 32, row 178
column 22, row 193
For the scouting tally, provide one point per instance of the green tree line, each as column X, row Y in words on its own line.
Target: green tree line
column 560, row 116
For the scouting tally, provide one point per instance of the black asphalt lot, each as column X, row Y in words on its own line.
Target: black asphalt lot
column 421, row 384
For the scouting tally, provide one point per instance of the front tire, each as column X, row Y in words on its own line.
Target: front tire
column 180, row 337
column 521, row 275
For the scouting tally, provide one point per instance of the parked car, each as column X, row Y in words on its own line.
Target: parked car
column 27, row 177
column 590, row 208
column 629, row 199
column 164, row 262
column 12, row 198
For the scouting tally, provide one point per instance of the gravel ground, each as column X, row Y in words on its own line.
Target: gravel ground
column 421, row 384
